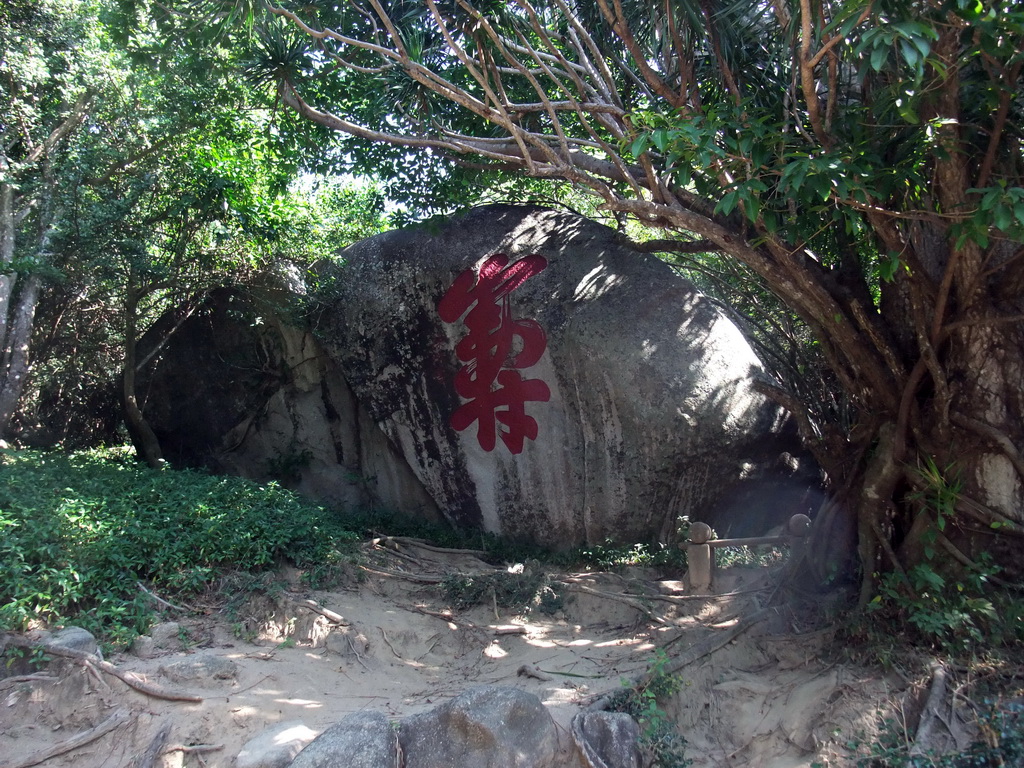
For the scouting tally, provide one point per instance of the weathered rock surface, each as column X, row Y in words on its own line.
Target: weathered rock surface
column 544, row 380
column 519, row 370
column 75, row 639
column 205, row 668
column 276, row 747
column 607, row 739
column 242, row 387
column 484, row 727
column 361, row 740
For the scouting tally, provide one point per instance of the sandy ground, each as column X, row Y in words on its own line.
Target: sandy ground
column 767, row 694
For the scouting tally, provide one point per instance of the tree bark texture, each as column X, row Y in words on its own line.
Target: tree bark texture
column 146, row 443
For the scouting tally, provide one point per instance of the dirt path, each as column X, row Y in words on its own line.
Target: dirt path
column 761, row 694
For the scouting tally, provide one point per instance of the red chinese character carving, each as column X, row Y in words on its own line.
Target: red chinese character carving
column 490, row 379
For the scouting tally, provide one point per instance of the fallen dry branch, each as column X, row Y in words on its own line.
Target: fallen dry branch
column 312, row 605
column 86, row 660
column 155, row 597
column 413, row 577
column 117, row 719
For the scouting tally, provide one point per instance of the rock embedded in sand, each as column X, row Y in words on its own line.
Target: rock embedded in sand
column 607, row 739
column 361, row 740
column 200, row 668
column 276, row 747
column 484, row 727
column 75, row 639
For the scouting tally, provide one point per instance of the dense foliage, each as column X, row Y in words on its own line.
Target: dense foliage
column 860, row 160
column 850, row 172
column 80, row 533
column 136, row 174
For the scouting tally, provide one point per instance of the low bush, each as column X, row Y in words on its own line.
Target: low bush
column 79, row 532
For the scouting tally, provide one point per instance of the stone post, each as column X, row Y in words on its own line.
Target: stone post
column 798, row 527
column 698, row 557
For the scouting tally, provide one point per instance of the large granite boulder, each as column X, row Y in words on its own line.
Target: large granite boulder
column 242, row 387
column 520, row 370
column 544, row 380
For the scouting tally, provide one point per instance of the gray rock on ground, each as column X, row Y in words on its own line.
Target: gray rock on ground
column 75, row 639
column 361, row 740
column 200, row 668
column 607, row 739
column 484, row 727
column 276, row 747
column 162, row 638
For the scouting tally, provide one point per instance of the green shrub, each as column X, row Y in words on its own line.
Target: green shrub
column 79, row 531
column 660, row 740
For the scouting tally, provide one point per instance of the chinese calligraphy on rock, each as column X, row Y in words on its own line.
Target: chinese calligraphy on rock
column 495, row 349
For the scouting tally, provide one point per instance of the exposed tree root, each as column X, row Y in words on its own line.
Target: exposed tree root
column 931, row 714
column 704, row 648
column 413, row 577
column 87, row 660
column 713, row 642
column 117, row 719
column 1001, row 440
column 633, row 602
column 148, row 758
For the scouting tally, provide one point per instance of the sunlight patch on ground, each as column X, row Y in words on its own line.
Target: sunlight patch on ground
column 304, row 703
column 495, row 651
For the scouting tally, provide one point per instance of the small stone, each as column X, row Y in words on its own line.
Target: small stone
column 347, row 641
column 276, row 747
column 75, row 639
column 607, row 739
column 144, row 647
column 167, row 636
column 200, row 668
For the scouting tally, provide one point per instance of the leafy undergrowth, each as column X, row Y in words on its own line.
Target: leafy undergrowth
column 80, row 532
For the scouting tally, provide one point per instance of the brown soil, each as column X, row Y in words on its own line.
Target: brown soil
column 773, row 695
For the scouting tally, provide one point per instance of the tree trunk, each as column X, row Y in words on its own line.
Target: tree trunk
column 7, row 279
column 18, row 365
column 147, row 445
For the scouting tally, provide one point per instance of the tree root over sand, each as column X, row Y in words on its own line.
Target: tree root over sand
column 92, row 663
